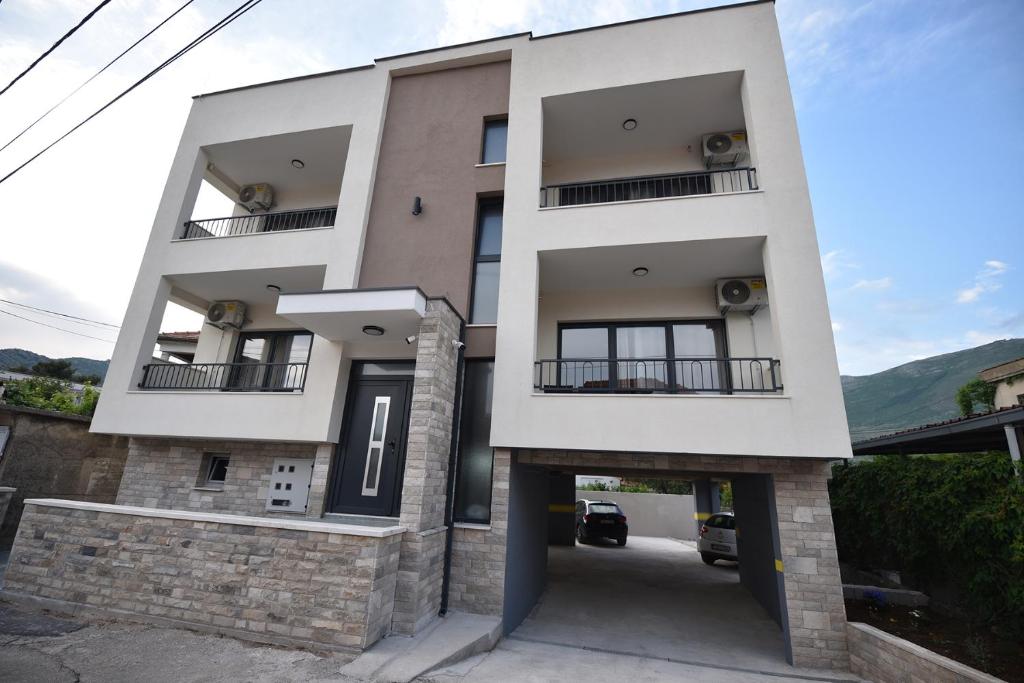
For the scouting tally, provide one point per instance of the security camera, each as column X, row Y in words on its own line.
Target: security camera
column 456, row 344
column 411, row 339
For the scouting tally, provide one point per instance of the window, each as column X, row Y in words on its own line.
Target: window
column 476, row 457
column 271, row 360
column 487, row 264
column 643, row 356
column 213, row 470
column 605, row 508
column 495, row 141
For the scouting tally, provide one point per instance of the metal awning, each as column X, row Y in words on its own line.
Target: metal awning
column 386, row 314
column 998, row 430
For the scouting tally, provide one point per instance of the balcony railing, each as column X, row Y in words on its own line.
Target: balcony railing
column 658, row 375
column 649, row 187
column 224, row 376
column 252, row 224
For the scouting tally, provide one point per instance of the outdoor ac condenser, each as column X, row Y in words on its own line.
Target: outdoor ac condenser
column 741, row 293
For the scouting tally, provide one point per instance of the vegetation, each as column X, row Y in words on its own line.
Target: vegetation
column 953, row 524
column 643, row 486
column 976, row 392
column 61, row 368
column 47, row 393
column 84, row 369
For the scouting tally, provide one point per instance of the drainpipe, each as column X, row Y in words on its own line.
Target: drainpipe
column 453, row 463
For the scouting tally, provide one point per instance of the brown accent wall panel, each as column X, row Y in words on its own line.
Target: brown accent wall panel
column 429, row 148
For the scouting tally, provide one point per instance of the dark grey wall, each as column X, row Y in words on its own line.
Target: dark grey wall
column 561, row 508
column 757, row 540
column 527, row 547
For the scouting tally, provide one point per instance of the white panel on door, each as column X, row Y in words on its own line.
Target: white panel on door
column 375, row 449
column 289, row 485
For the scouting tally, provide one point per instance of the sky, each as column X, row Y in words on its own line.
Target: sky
column 909, row 114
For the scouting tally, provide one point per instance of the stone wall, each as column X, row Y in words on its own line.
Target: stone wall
column 881, row 657
column 165, row 473
column 290, row 581
column 52, row 455
column 477, row 583
column 809, row 562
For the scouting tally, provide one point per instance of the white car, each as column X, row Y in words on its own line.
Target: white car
column 718, row 538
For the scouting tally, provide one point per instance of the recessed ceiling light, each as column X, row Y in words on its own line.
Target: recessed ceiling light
column 273, row 288
column 640, row 271
column 629, row 124
column 298, row 163
column 373, row 330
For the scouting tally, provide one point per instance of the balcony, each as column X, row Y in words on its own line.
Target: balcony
column 649, row 187
column 284, row 377
column 657, row 376
column 301, row 219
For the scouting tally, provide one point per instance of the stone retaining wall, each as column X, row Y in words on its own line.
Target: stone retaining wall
column 881, row 657
column 292, row 581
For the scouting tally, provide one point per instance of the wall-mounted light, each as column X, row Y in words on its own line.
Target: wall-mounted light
column 298, row 163
column 629, row 124
column 411, row 339
column 417, row 206
column 640, row 271
column 373, row 330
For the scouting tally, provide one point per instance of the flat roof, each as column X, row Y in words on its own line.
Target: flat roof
column 983, row 432
column 526, row 34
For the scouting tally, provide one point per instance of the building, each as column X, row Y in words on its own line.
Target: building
column 1008, row 379
column 520, row 242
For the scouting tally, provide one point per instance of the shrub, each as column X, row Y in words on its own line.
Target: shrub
column 949, row 520
column 46, row 393
column 974, row 392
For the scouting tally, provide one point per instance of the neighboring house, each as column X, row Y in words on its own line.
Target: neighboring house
column 520, row 242
column 1009, row 381
column 176, row 347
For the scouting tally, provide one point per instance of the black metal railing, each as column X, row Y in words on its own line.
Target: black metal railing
column 224, row 376
column 649, row 187
column 252, row 224
column 658, row 375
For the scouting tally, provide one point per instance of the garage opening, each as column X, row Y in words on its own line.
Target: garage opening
column 580, row 578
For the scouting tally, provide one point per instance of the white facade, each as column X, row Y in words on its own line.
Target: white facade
column 769, row 229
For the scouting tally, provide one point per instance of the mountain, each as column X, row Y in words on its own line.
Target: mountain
column 10, row 358
column 919, row 392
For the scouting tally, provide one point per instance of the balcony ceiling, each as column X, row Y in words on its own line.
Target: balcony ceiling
column 670, row 265
column 249, row 286
column 668, row 113
column 342, row 315
column 269, row 159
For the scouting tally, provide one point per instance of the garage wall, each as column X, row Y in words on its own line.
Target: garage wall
column 527, row 549
column 652, row 514
column 756, row 539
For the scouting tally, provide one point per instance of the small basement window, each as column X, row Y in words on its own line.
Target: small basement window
column 213, row 470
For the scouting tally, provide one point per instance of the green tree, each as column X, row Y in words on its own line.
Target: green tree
column 975, row 392
column 46, row 393
column 59, row 369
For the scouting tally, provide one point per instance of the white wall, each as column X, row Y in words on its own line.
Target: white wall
column 669, row 160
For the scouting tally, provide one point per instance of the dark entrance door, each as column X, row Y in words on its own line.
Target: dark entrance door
column 371, row 455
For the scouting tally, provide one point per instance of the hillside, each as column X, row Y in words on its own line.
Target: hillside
column 10, row 358
column 919, row 392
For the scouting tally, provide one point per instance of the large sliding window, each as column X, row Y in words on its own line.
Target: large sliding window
column 476, row 457
column 487, row 263
column 274, row 360
column 682, row 356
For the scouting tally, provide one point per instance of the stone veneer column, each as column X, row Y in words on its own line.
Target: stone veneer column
column 810, row 565
column 424, row 489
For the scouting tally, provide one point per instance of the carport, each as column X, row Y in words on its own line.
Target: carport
column 653, row 597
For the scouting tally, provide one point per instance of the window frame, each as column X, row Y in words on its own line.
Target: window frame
column 457, row 517
column 274, row 338
column 487, row 121
column 478, row 258
column 206, row 467
column 612, row 326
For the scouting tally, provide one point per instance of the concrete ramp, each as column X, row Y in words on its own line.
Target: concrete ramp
column 400, row 659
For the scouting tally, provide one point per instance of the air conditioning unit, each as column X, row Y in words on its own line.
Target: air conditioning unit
column 741, row 293
column 259, row 197
column 226, row 314
column 725, row 149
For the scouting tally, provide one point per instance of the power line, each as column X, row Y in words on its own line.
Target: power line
column 55, row 45
column 235, row 14
column 54, row 327
column 63, row 315
column 90, row 79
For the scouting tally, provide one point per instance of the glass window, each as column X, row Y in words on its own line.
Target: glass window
column 271, row 360
column 213, row 470
column 476, row 457
column 648, row 346
column 605, row 508
column 495, row 141
column 487, row 266
column 692, row 343
column 586, row 349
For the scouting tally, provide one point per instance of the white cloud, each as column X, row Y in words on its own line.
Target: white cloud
column 874, row 285
column 836, row 327
column 836, row 262
column 984, row 281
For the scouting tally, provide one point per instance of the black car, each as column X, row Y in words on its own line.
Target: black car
column 600, row 519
